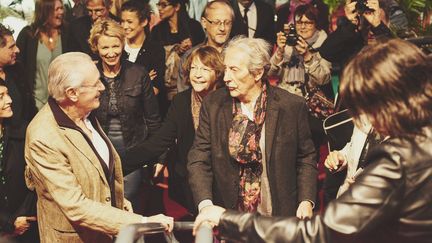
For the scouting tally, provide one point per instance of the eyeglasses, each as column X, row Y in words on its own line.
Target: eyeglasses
column 218, row 22
column 195, row 69
column 305, row 23
column 98, row 11
column 163, row 5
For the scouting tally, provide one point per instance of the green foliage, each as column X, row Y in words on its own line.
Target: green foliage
column 414, row 10
column 333, row 4
column 6, row 11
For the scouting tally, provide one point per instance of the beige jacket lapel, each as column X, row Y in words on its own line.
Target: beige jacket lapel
column 78, row 141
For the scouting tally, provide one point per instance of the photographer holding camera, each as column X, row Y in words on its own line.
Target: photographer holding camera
column 364, row 21
column 296, row 54
column 298, row 64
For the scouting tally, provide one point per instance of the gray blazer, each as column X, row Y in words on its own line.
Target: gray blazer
column 290, row 154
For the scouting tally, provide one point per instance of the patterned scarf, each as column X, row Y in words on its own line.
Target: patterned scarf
column 244, row 137
column 196, row 102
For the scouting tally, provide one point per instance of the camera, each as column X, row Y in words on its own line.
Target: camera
column 291, row 35
column 361, row 7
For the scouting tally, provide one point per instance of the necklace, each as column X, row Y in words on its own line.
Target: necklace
column 50, row 39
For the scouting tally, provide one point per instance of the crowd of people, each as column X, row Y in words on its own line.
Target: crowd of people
column 98, row 98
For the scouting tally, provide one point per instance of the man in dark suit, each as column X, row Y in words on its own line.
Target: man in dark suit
column 258, row 21
column 80, row 27
column 253, row 149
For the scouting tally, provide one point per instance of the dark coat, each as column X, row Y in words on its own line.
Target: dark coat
column 79, row 34
column 190, row 29
column 389, row 202
column 20, row 201
column 290, row 154
column 345, row 42
column 178, row 129
column 27, row 42
column 265, row 22
column 152, row 57
column 137, row 104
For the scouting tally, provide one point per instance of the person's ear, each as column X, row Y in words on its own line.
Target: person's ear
column 258, row 74
column 144, row 23
column 72, row 94
column 177, row 7
column 204, row 23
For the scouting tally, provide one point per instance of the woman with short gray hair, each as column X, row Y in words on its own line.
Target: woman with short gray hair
column 252, row 150
column 257, row 51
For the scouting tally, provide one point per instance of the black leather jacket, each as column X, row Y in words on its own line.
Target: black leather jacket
column 390, row 202
column 138, row 106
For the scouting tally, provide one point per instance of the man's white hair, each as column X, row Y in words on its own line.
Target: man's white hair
column 68, row 70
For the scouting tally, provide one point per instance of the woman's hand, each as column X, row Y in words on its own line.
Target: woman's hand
column 209, row 214
column 280, row 42
column 373, row 17
column 22, row 224
column 350, row 12
column 166, row 221
column 303, row 49
column 152, row 74
column 335, row 161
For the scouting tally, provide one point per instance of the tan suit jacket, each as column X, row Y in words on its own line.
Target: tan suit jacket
column 74, row 197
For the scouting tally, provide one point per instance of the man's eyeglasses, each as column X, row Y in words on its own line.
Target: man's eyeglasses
column 305, row 23
column 163, row 5
column 218, row 22
column 99, row 11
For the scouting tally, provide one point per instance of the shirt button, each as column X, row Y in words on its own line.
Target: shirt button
column 108, row 199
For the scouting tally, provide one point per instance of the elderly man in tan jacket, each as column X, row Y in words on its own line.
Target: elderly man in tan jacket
column 72, row 165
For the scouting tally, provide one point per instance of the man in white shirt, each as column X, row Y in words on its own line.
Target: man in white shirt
column 72, row 165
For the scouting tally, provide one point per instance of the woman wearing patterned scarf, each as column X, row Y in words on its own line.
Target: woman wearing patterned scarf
column 252, row 150
column 388, row 85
